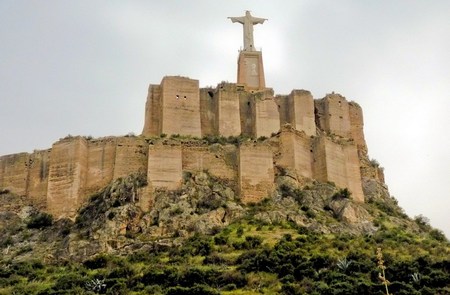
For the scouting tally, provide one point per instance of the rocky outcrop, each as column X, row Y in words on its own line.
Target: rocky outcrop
column 113, row 220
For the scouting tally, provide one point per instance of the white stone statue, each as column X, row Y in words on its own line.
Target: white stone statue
column 248, row 21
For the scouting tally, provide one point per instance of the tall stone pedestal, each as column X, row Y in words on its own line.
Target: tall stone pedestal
column 251, row 70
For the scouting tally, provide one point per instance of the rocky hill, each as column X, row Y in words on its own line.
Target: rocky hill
column 308, row 237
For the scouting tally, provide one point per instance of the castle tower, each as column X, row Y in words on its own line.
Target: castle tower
column 250, row 63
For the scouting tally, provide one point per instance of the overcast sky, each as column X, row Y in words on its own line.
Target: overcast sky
column 83, row 68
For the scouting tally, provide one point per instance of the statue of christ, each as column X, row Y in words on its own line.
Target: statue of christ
column 248, row 21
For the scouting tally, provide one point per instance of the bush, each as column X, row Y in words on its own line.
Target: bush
column 40, row 220
column 220, row 240
column 296, row 193
column 96, row 262
column 211, row 202
column 233, row 277
column 214, row 258
column 438, row 235
column 69, row 281
column 240, row 231
column 251, row 242
column 342, row 194
column 198, row 245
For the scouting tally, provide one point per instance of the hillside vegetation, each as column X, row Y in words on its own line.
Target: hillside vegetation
column 304, row 239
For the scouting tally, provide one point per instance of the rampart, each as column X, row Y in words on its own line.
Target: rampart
column 312, row 139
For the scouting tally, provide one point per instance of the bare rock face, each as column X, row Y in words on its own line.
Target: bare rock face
column 352, row 213
column 374, row 190
column 202, row 205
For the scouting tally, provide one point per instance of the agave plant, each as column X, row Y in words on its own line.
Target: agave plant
column 343, row 264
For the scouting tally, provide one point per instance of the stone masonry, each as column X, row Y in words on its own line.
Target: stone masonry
column 319, row 139
column 315, row 139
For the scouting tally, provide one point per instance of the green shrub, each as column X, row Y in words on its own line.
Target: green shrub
column 438, row 235
column 198, row 245
column 211, row 202
column 99, row 261
column 250, row 242
column 220, row 240
column 240, row 231
column 68, row 281
column 342, row 194
column 40, row 220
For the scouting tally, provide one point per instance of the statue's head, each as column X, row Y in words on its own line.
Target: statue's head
column 247, row 13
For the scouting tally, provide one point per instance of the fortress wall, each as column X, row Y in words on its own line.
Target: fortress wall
column 181, row 106
column 101, row 158
column 256, row 172
column 208, row 111
column 285, row 158
column 357, row 125
column 215, row 159
column 336, row 115
column 284, row 109
column 14, row 172
column 301, row 109
column 295, row 150
column 131, row 156
column 67, row 175
column 353, row 174
column 267, row 118
column 247, row 111
column 229, row 121
column 164, row 166
column 339, row 164
column 153, row 112
column 320, row 169
column 38, row 177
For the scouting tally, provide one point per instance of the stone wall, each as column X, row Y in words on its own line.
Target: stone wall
column 153, row 112
column 301, row 107
column 295, row 153
column 333, row 115
column 164, row 166
column 324, row 140
column 67, row 176
column 338, row 163
column 101, row 162
column 256, row 172
column 131, row 156
column 229, row 121
column 267, row 119
column 247, row 113
column 38, row 171
column 26, row 174
column 217, row 160
column 180, row 98
column 357, row 125
column 14, row 172
column 209, row 111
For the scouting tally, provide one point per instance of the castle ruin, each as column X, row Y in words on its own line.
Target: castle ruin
column 308, row 138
